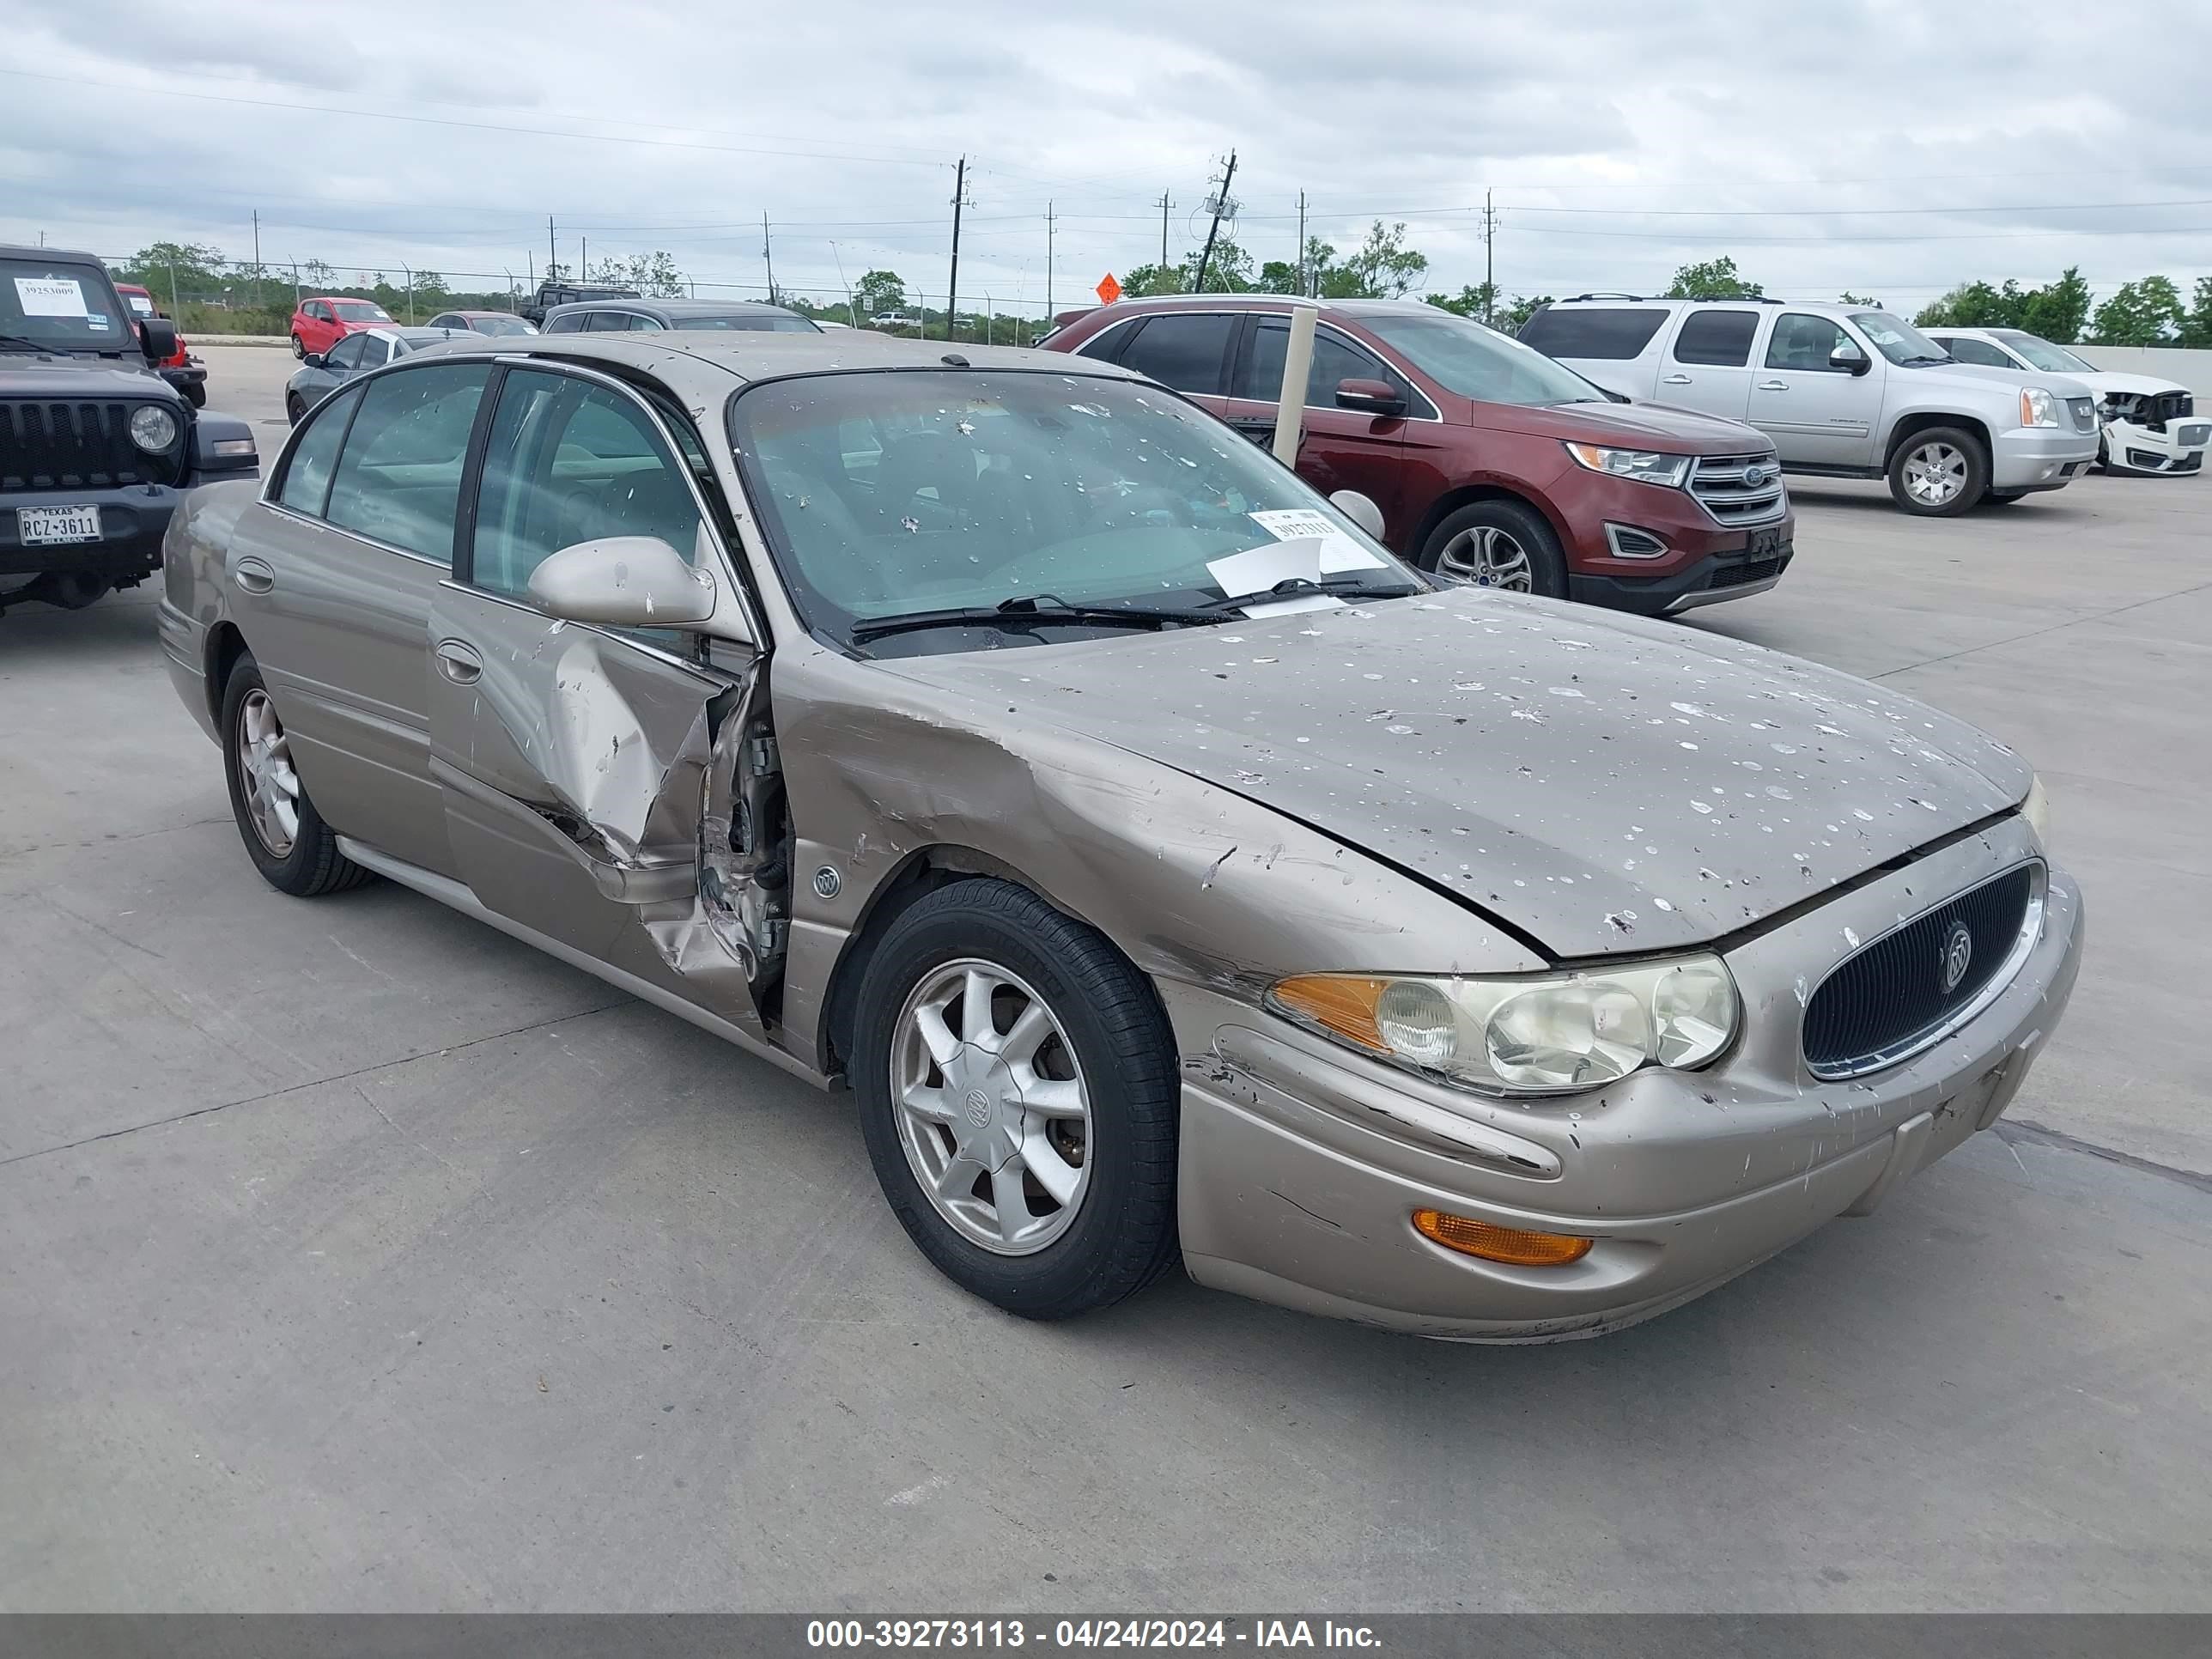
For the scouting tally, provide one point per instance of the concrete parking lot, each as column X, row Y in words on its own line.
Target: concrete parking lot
column 354, row 1256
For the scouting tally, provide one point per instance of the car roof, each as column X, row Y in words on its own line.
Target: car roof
column 673, row 307
column 420, row 335
column 710, row 365
column 58, row 255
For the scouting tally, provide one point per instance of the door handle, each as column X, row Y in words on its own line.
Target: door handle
column 253, row 575
column 1674, row 379
column 459, row 664
column 1774, row 386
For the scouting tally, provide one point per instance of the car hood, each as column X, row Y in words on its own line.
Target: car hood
column 1603, row 785
column 22, row 375
column 1645, row 426
column 2105, row 382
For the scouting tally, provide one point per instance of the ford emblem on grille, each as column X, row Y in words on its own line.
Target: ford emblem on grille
column 1753, row 475
column 1957, row 953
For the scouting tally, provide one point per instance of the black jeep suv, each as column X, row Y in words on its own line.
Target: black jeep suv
column 568, row 294
column 95, row 447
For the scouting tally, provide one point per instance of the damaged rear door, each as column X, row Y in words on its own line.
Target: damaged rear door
column 573, row 761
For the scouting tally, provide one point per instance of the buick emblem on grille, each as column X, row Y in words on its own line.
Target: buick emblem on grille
column 1957, row 952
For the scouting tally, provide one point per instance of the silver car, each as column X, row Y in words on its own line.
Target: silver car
column 1169, row 874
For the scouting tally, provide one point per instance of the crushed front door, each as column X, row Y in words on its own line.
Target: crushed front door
column 579, row 769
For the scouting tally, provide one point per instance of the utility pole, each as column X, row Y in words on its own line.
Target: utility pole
column 1164, row 204
column 552, row 251
column 1047, row 263
column 1221, row 201
column 1302, row 242
column 1489, row 262
column 953, row 281
column 584, row 261
column 770, row 257
column 257, row 256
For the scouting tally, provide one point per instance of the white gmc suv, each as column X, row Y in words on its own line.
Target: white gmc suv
column 1845, row 391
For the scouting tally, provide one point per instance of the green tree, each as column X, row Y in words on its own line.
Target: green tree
column 2143, row 313
column 1848, row 298
column 2197, row 326
column 1516, row 315
column 1975, row 305
column 2060, row 311
column 880, row 293
column 1474, row 300
column 1711, row 279
column 1229, row 272
column 1381, row 268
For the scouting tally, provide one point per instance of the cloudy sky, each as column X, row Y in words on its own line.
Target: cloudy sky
column 1893, row 150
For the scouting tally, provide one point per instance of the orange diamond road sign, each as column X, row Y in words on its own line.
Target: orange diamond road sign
column 1108, row 291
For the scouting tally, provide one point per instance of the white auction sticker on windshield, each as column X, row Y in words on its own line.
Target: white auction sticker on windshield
column 1338, row 552
column 51, row 296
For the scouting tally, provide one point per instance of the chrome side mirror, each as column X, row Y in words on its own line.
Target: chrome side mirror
column 1360, row 510
column 633, row 581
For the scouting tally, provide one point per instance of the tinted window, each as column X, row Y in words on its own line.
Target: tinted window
column 1611, row 335
column 400, row 476
column 1803, row 341
column 308, row 474
column 569, row 323
column 1105, row 345
column 1719, row 337
column 611, row 322
column 569, row 462
column 1334, row 358
column 1185, row 352
column 1977, row 351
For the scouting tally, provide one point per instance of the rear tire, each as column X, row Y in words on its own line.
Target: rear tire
column 299, row 347
column 1939, row 472
column 1496, row 543
column 287, row 841
column 933, row 1098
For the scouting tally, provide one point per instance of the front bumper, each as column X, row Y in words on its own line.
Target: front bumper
column 2179, row 448
column 1302, row 1163
column 2031, row 457
column 1736, row 574
column 132, row 522
column 1699, row 560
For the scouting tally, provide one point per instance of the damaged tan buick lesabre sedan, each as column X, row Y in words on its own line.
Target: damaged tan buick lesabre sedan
column 1170, row 872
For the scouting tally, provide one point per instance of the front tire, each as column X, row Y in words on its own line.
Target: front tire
column 1496, row 543
column 287, row 839
column 1018, row 1091
column 1939, row 473
column 295, row 411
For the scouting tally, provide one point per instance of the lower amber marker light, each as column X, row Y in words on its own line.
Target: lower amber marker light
column 1507, row 1244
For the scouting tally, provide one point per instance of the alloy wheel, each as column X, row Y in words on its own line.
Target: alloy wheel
column 990, row 1107
column 1485, row 555
column 1935, row 474
column 266, row 778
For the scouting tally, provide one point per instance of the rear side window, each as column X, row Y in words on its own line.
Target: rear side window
column 308, row 474
column 1609, row 334
column 1183, row 351
column 571, row 323
column 1722, row 338
column 399, row 478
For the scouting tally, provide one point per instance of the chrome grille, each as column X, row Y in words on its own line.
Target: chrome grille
column 1718, row 482
column 52, row 445
column 2084, row 411
column 1889, row 1000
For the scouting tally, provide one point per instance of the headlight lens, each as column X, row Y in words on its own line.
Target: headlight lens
column 1551, row 1034
column 2037, row 407
column 153, row 427
column 2035, row 809
column 1643, row 463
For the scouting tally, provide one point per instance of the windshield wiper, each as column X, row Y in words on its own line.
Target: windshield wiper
column 1915, row 362
column 1027, row 612
column 1344, row 585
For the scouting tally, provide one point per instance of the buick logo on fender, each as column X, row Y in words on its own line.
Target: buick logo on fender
column 1957, row 953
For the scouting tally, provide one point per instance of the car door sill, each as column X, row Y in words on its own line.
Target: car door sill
column 456, row 896
column 1815, row 469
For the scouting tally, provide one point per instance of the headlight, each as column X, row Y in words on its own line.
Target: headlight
column 2035, row 809
column 2037, row 407
column 1551, row 1034
column 1643, row 463
column 153, row 427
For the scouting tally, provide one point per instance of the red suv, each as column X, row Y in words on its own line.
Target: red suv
column 1493, row 464
column 321, row 322
column 179, row 369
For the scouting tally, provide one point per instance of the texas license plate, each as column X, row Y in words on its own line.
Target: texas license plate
column 43, row 526
column 1767, row 544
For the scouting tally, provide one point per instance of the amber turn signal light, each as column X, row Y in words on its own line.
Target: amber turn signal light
column 1507, row 1244
column 1342, row 1003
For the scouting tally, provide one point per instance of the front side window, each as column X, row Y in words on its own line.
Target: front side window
column 569, row 461
column 1335, row 359
column 613, row 322
column 308, row 474
column 1897, row 340
column 886, row 493
column 1465, row 357
column 1804, row 342
column 399, row 477
column 1183, row 351
column 57, row 306
column 349, row 353
column 1721, row 339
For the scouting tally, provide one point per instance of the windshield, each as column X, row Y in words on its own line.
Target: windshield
column 1478, row 363
column 360, row 311
column 890, row 492
column 1897, row 340
column 2052, row 359
column 54, row 306
column 758, row 321
column 502, row 325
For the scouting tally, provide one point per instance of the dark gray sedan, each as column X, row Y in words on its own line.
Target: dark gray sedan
column 321, row 373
